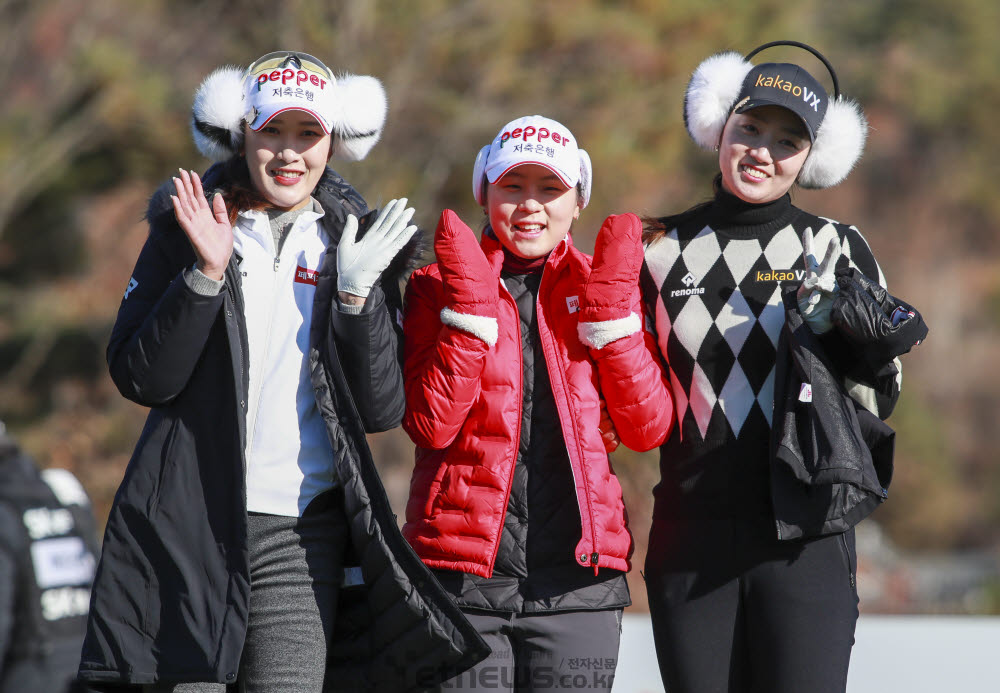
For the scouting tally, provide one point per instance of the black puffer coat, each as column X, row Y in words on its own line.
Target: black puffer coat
column 171, row 595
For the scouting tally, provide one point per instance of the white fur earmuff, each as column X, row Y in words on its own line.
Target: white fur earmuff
column 360, row 116
column 218, row 113
column 838, row 146
column 711, row 96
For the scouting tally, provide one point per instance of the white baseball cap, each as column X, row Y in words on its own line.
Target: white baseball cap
column 286, row 81
column 533, row 140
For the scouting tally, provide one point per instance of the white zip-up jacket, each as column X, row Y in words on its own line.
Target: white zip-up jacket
column 289, row 458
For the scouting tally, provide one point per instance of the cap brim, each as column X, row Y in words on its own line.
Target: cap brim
column 266, row 115
column 500, row 173
column 750, row 104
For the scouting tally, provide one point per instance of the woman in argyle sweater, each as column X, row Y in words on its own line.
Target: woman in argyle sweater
column 739, row 600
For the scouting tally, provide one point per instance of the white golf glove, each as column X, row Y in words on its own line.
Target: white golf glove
column 359, row 263
column 819, row 288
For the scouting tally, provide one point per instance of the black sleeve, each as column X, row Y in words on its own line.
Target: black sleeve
column 874, row 386
column 162, row 325
column 369, row 345
column 8, row 581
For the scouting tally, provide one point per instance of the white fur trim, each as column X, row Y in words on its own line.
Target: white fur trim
column 359, row 116
column 711, row 95
column 477, row 325
column 838, row 146
column 217, row 113
column 597, row 335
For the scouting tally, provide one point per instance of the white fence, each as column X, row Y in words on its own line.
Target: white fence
column 892, row 654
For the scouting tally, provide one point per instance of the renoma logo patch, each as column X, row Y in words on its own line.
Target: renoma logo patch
column 688, row 280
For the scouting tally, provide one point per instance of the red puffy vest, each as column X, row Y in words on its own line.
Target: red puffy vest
column 464, row 413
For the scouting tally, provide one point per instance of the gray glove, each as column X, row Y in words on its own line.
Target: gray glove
column 816, row 293
column 361, row 262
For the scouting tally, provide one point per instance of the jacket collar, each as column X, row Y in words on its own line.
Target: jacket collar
column 493, row 250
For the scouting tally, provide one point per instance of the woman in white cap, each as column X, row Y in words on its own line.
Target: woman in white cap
column 511, row 353
column 250, row 544
column 781, row 343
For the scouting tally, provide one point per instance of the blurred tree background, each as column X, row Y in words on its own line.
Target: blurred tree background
column 96, row 99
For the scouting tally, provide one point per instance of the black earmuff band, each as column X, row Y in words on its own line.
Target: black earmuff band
column 803, row 46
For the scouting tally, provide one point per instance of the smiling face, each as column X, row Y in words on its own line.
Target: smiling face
column 762, row 152
column 531, row 210
column 287, row 157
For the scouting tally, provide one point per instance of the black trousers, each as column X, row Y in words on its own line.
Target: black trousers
column 548, row 651
column 735, row 610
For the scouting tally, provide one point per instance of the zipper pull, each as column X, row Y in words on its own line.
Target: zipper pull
column 277, row 261
column 593, row 561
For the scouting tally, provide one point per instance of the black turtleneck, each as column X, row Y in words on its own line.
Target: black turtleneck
column 738, row 218
column 712, row 285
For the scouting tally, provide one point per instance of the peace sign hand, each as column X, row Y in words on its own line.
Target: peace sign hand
column 818, row 290
column 207, row 228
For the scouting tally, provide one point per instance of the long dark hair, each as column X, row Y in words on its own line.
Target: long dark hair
column 655, row 228
column 238, row 191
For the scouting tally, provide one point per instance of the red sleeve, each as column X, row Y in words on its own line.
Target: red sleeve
column 635, row 387
column 441, row 368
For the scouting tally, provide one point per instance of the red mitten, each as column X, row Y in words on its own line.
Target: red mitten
column 470, row 286
column 607, row 314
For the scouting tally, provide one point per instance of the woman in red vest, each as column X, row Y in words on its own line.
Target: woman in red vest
column 521, row 360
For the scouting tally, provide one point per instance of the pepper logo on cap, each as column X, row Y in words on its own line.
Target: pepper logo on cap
column 534, row 140
column 287, row 81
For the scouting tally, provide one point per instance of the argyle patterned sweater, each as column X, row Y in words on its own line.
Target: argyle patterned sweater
column 712, row 287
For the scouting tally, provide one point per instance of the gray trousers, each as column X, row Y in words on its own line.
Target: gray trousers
column 561, row 650
column 296, row 565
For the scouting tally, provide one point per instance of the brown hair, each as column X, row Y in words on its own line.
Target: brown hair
column 238, row 193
